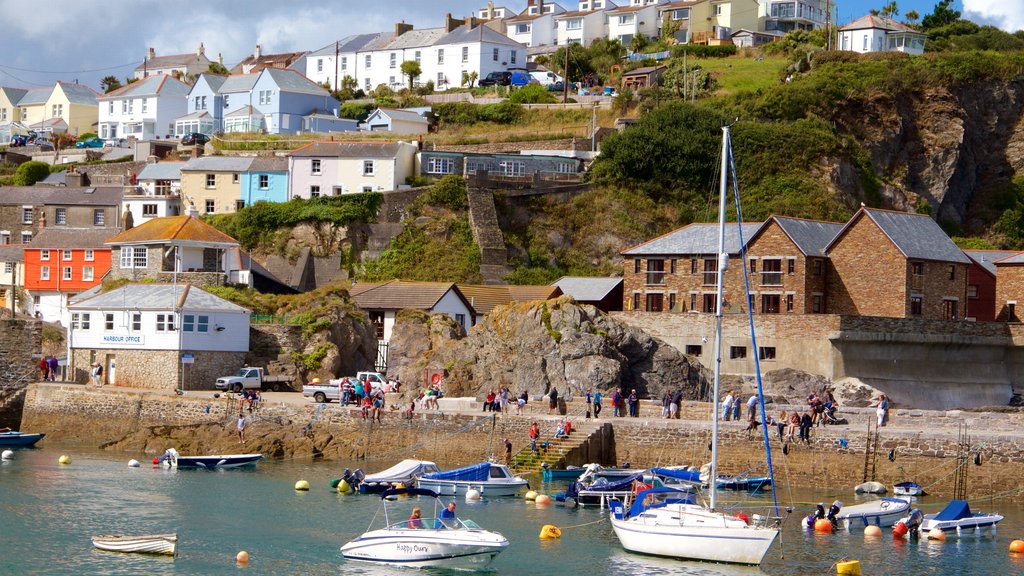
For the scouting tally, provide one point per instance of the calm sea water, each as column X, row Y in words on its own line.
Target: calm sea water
column 48, row 514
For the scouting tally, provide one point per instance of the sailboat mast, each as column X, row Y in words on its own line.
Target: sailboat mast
column 723, row 263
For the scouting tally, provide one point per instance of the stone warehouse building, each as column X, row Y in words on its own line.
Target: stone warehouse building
column 162, row 336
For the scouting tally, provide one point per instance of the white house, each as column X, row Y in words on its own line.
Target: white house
column 382, row 301
column 640, row 17
column 787, row 15
column 157, row 193
column 534, row 26
column 396, row 121
column 182, row 65
column 335, row 168
column 143, row 110
column 878, row 34
column 584, row 25
column 12, row 273
column 167, row 336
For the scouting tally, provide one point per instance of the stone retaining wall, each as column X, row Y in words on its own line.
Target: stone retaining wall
column 19, row 340
column 158, row 369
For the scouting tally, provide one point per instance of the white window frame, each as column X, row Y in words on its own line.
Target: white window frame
column 67, row 274
column 264, row 181
column 44, row 255
column 440, row 165
column 108, row 321
column 26, row 214
column 60, row 217
column 99, row 217
column 211, row 181
column 465, row 54
column 65, row 255
column 210, row 206
column 136, row 324
column 88, row 274
column 314, row 191
column 369, row 168
column 90, row 255
column 316, row 167
column 44, row 272
column 165, row 323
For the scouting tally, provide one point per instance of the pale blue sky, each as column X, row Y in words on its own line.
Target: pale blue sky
column 48, row 40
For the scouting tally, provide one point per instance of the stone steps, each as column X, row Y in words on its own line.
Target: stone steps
column 551, row 451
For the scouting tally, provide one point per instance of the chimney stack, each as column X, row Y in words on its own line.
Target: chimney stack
column 256, row 54
column 402, row 28
column 220, row 58
column 151, row 54
column 451, row 23
column 42, row 220
column 74, row 179
column 201, row 50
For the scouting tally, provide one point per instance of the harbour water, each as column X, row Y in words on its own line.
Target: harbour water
column 48, row 513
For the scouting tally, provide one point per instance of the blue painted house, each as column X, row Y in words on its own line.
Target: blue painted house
column 266, row 180
column 205, row 112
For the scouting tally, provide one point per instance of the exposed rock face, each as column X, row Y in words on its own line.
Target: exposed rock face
column 539, row 345
column 793, row 386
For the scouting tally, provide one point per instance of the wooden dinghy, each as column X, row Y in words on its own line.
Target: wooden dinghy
column 147, row 544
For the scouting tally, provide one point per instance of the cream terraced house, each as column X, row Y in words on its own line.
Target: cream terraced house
column 336, row 168
column 213, row 184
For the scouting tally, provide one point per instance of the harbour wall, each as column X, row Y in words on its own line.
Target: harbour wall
column 923, row 443
column 19, row 340
column 930, row 364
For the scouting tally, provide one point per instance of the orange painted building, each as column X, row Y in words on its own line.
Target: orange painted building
column 61, row 263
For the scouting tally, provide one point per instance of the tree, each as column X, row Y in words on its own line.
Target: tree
column 473, row 77
column 31, row 172
column 890, row 10
column 411, row 69
column 941, row 15
column 912, row 16
column 217, row 68
column 109, row 84
column 638, row 43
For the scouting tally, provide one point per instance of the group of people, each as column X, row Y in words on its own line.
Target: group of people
column 445, row 519
column 497, row 401
column 670, row 402
column 428, row 398
column 249, row 399
column 49, row 368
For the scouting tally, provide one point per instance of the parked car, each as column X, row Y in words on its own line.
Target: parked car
column 520, row 78
column 195, row 139
column 253, row 379
column 331, row 391
column 19, row 140
column 556, row 86
column 497, row 79
column 115, row 142
column 93, row 142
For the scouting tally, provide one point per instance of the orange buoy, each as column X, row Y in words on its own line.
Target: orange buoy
column 242, row 557
column 823, row 525
column 872, row 531
column 1017, row 546
column 542, row 500
column 937, row 534
column 899, row 530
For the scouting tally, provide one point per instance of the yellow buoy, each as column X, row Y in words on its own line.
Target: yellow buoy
column 343, row 487
column 531, row 495
column 550, row 532
column 242, row 557
column 542, row 500
column 848, row 568
column 823, row 525
column 64, row 460
column 1017, row 546
column 872, row 531
column 399, row 486
column 937, row 534
column 302, row 485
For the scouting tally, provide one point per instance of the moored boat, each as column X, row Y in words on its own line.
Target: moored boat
column 15, row 439
column 405, row 473
column 442, row 541
column 147, row 544
column 908, row 489
column 883, row 512
column 957, row 517
column 487, row 478
column 568, row 473
column 172, row 459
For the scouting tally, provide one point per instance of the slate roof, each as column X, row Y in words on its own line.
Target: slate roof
column 35, row 96
column 351, row 43
column 810, row 236
column 917, row 236
column 171, row 61
column 416, row 38
column 696, row 238
column 218, row 164
column 244, row 111
column 464, row 35
column 60, row 238
column 680, row 4
column 871, row 21
column 214, row 81
column 13, row 94
column 378, row 42
column 12, row 252
column 79, row 93
column 54, row 179
column 294, row 82
column 151, row 296
column 1016, row 259
column 51, row 123
column 348, row 150
column 197, row 115
column 61, row 196
column 161, row 171
column 987, row 258
column 401, row 294
column 269, row 164
column 643, row 71
column 587, row 289
column 484, row 299
column 238, row 83
column 265, row 61
column 399, row 114
column 173, row 229
column 148, row 86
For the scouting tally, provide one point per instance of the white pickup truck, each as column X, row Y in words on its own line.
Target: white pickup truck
column 253, row 379
column 332, row 390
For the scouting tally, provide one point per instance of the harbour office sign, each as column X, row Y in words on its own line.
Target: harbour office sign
column 123, row 339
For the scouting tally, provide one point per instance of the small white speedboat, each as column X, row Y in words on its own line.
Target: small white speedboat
column 442, row 541
column 147, row 544
column 957, row 517
column 488, row 478
column 172, row 459
column 883, row 512
column 908, row 489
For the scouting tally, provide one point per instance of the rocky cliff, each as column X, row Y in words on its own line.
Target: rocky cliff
column 535, row 346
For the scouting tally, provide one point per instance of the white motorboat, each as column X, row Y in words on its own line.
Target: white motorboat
column 171, row 459
column 705, row 532
column 908, row 489
column 405, row 473
column 884, row 512
column 148, row 544
column 487, row 478
column 442, row 541
column 957, row 517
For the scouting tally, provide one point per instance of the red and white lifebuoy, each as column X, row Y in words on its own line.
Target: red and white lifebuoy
column 435, row 378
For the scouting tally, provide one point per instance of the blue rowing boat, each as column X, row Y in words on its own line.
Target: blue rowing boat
column 15, row 439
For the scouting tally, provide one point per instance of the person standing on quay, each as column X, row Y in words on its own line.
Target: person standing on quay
column 882, row 410
column 553, row 403
column 241, row 428
column 597, row 403
column 634, row 404
column 727, row 406
column 508, row 452
column 44, row 369
column 53, row 366
column 616, row 403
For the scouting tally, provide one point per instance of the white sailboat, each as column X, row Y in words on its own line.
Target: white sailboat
column 695, row 531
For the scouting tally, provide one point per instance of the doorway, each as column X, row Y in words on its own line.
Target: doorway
column 111, row 369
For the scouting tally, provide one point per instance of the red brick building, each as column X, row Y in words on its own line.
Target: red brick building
column 981, row 283
column 1009, row 288
column 62, row 262
column 898, row 265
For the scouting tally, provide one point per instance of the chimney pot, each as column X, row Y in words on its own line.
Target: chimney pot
column 42, row 220
column 151, row 54
column 257, row 52
column 201, row 50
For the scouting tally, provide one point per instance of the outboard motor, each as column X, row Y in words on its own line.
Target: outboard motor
column 833, row 510
column 818, row 514
column 914, row 523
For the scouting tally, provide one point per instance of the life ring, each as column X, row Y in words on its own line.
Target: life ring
column 435, row 379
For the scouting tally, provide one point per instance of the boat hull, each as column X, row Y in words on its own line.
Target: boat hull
column 976, row 522
column 550, row 474
column 881, row 513
column 427, row 548
column 18, row 440
column 165, row 544
column 710, row 544
column 218, row 462
column 460, row 487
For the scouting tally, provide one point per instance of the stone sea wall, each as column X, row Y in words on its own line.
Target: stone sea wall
column 923, row 443
column 19, row 339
